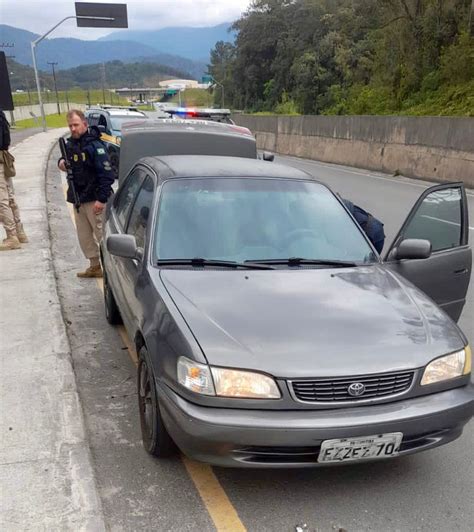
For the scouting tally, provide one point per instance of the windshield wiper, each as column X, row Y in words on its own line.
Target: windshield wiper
column 199, row 262
column 299, row 261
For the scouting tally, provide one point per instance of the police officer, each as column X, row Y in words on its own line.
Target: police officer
column 371, row 226
column 9, row 211
column 93, row 179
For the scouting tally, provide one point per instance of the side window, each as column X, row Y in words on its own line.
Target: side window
column 124, row 199
column 438, row 219
column 93, row 119
column 102, row 121
column 141, row 212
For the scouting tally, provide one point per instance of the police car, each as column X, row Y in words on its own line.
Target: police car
column 200, row 113
column 109, row 120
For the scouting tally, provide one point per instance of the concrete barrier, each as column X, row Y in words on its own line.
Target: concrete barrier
column 434, row 148
column 24, row 112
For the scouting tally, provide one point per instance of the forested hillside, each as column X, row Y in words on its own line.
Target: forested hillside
column 350, row 57
column 113, row 74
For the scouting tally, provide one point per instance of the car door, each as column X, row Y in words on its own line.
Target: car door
column 116, row 224
column 441, row 216
column 131, row 269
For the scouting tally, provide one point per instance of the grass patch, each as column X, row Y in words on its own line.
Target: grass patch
column 52, row 121
column 193, row 98
column 74, row 96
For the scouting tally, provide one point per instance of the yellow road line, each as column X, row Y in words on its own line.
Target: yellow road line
column 218, row 505
column 215, row 499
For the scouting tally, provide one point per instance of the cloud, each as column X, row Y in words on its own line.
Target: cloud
column 39, row 16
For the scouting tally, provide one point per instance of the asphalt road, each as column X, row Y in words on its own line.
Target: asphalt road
column 431, row 491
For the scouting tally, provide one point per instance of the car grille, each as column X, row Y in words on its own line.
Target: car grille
column 333, row 390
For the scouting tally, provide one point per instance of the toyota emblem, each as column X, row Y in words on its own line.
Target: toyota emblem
column 356, row 389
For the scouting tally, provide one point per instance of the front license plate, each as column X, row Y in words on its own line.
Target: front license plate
column 351, row 449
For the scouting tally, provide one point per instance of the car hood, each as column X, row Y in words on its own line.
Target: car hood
column 311, row 322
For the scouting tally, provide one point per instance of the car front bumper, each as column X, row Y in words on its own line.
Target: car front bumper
column 276, row 438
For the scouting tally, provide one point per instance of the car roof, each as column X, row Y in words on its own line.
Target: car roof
column 118, row 111
column 184, row 125
column 171, row 166
column 125, row 112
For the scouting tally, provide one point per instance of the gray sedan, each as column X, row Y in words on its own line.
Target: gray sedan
column 270, row 333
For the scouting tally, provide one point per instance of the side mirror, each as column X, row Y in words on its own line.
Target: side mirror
column 412, row 248
column 124, row 246
column 268, row 156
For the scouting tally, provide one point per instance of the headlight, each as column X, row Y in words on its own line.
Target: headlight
column 237, row 383
column 195, row 377
column 448, row 367
column 200, row 378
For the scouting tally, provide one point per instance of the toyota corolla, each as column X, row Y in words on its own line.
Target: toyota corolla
column 270, row 333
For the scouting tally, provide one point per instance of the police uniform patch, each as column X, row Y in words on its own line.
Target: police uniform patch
column 100, row 151
column 107, row 165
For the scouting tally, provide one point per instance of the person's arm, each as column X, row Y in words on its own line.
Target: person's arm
column 5, row 131
column 104, row 171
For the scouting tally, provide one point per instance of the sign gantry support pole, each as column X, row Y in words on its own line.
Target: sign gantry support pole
column 33, row 53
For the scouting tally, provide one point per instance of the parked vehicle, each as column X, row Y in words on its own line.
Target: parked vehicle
column 269, row 331
column 109, row 121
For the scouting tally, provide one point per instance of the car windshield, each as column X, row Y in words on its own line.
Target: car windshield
column 118, row 121
column 251, row 219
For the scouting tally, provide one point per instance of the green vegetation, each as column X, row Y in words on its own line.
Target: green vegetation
column 349, row 57
column 52, row 121
column 111, row 74
column 193, row 98
column 74, row 96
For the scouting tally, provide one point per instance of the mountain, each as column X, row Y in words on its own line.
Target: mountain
column 193, row 43
column 74, row 52
column 195, row 69
column 117, row 75
column 68, row 52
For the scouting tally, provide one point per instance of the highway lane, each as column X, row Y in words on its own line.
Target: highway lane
column 431, row 491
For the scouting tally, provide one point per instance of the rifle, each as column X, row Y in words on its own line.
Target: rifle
column 70, row 176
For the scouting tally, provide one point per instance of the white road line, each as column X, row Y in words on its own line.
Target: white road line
column 444, row 221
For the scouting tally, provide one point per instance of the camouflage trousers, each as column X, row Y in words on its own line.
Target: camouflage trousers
column 9, row 212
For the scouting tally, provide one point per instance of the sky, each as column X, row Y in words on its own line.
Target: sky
column 39, row 16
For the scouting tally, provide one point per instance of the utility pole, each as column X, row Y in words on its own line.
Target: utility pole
column 103, row 82
column 471, row 20
column 55, row 86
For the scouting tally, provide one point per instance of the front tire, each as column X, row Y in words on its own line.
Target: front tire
column 156, row 438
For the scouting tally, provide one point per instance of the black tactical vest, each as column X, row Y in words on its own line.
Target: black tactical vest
column 82, row 166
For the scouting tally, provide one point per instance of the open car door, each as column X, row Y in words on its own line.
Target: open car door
column 441, row 216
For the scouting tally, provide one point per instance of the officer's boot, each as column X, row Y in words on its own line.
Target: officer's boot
column 11, row 242
column 94, row 270
column 20, row 233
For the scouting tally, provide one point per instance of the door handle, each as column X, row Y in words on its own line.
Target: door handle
column 461, row 271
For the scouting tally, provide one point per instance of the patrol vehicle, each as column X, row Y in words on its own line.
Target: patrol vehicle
column 199, row 113
column 109, row 120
